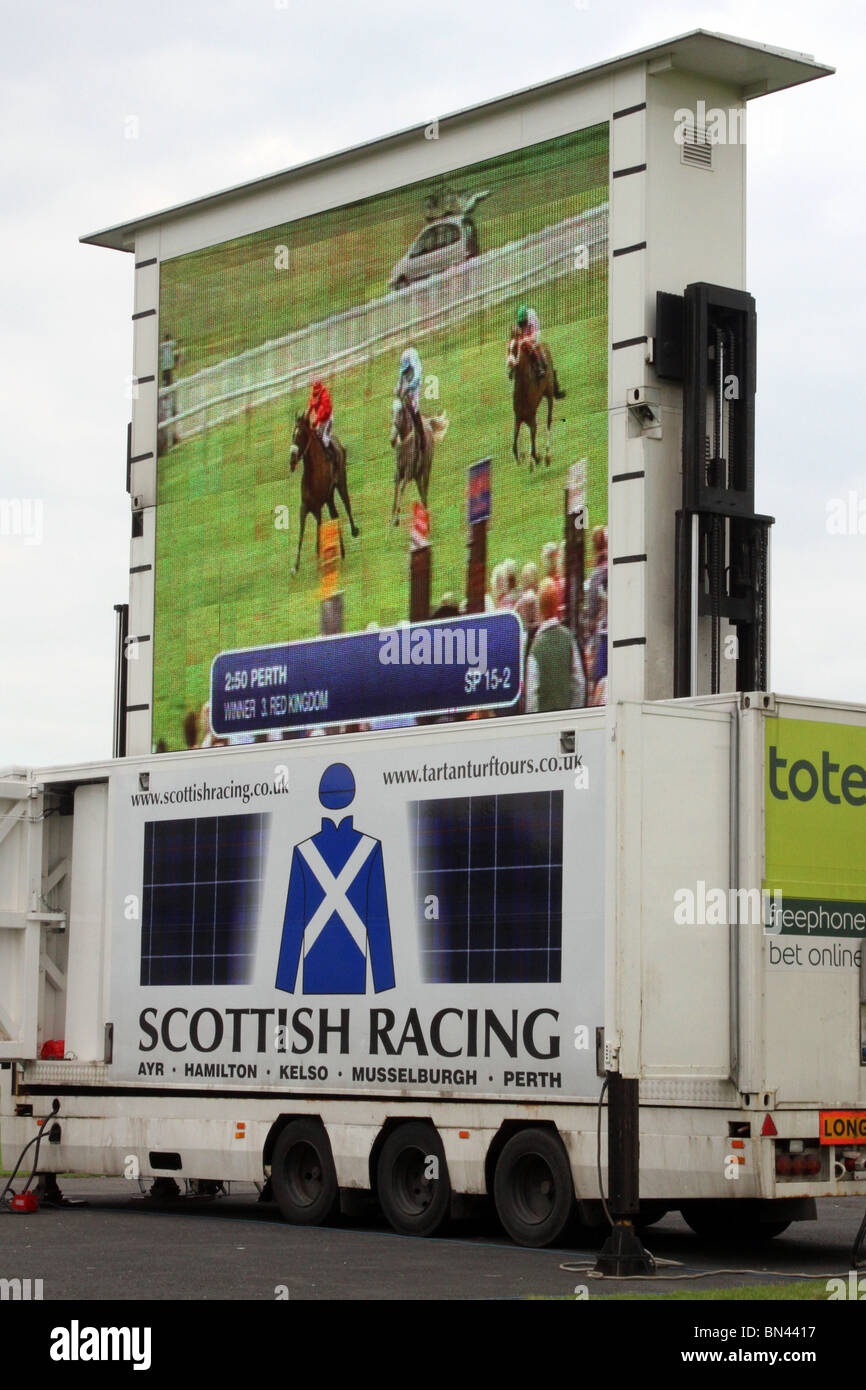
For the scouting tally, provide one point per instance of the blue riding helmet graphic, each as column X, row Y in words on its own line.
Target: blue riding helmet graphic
column 336, row 925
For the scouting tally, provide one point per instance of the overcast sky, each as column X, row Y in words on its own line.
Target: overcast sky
column 229, row 90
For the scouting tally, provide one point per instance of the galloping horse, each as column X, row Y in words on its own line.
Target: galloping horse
column 530, row 390
column 412, row 464
column 317, row 489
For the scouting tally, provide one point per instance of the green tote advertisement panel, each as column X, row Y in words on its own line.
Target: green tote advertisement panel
column 815, row 810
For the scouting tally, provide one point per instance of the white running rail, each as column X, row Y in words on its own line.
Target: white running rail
column 209, row 397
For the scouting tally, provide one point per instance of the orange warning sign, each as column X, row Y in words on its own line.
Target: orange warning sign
column 843, row 1127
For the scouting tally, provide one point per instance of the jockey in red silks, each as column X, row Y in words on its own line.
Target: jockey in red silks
column 320, row 413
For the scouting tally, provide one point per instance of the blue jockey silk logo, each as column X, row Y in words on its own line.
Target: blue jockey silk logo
column 336, row 927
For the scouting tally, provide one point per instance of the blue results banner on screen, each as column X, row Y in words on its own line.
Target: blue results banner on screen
column 450, row 666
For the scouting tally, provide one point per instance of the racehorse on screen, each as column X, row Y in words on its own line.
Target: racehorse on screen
column 411, row 462
column 317, row 487
column 531, row 387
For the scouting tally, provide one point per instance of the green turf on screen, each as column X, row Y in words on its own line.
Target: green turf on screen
column 222, row 569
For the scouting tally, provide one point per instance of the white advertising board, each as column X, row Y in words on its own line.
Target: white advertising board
column 425, row 918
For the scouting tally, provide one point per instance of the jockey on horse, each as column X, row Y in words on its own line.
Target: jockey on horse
column 528, row 329
column 526, row 333
column 409, row 391
column 320, row 413
column 529, row 364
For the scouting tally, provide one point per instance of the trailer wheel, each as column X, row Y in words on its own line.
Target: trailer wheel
column 303, row 1176
column 650, row 1213
column 532, row 1188
column 412, row 1180
column 725, row 1226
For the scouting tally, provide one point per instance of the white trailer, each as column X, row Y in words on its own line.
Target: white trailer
column 401, row 962
column 691, row 900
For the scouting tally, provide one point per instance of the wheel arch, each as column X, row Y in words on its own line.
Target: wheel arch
column 279, row 1125
column 506, row 1131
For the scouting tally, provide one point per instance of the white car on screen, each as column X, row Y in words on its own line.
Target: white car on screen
column 444, row 243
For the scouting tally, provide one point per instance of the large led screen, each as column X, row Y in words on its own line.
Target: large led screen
column 382, row 459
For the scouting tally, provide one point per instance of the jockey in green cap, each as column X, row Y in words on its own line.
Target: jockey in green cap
column 528, row 329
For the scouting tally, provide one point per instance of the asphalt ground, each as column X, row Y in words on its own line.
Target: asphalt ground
column 118, row 1245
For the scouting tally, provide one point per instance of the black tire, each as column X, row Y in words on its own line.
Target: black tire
column 768, row 1229
column 650, row 1213
column 720, row 1223
column 303, row 1176
column 414, row 1203
column 533, row 1189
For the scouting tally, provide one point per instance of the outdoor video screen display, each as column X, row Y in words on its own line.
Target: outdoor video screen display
column 382, row 459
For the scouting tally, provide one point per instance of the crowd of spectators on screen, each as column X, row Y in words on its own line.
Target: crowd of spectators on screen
column 566, row 667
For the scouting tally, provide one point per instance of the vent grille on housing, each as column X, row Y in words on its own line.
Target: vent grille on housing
column 696, row 149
